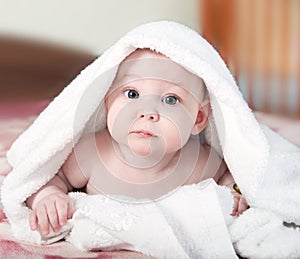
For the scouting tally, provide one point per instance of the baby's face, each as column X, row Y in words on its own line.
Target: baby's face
column 153, row 104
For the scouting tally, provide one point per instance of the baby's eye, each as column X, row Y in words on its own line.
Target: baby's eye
column 131, row 94
column 171, row 100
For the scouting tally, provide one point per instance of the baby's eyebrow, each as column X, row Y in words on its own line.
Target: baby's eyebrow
column 179, row 84
column 178, row 87
column 130, row 77
column 125, row 77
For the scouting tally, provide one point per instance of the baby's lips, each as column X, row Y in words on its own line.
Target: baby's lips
column 142, row 133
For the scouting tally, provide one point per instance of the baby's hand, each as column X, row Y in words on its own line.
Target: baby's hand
column 52, row 211
column 240, row 204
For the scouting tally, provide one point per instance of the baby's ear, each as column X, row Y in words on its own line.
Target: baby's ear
column 202, row 117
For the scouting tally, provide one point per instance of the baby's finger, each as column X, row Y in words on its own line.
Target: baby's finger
column 235, row 206
column 33, row 221
column 71, row 209
column 43, row 222
column 242, row 206
column 62, row 210
column 52, row 216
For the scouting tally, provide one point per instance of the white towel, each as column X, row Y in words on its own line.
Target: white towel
column 265, row 167
column 171, row 227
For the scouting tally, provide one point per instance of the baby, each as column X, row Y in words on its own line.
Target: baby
column 155, row 112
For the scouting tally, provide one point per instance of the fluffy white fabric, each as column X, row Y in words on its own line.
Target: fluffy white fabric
column 265, row 166
column 167, row 228
column 259, row 233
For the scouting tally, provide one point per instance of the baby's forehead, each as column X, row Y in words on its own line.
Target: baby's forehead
column 148, row 64
column 144, row 53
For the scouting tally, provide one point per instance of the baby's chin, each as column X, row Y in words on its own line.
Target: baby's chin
column 142, row 150
column 147, row 150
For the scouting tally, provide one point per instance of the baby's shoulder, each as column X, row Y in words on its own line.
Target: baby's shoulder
column 205, row 150
column 86, row 148
column 209, row 163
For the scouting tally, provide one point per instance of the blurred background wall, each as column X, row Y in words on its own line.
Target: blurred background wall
column 260, row 41
column 45, row 43
column 93, row 25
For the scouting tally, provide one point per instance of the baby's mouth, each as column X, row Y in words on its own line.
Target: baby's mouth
column 142, row 133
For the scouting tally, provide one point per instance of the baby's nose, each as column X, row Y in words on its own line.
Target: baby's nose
column 152, row 116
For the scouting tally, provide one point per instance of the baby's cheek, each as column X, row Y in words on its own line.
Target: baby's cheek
column 173, row 137
column 180, row 129
column 120, row 119
column 114, row 118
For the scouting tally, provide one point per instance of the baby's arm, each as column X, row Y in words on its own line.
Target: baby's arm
column 51, row 206
column 224, row 177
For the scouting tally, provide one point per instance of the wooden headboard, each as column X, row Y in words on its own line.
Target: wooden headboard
column 31, row 70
